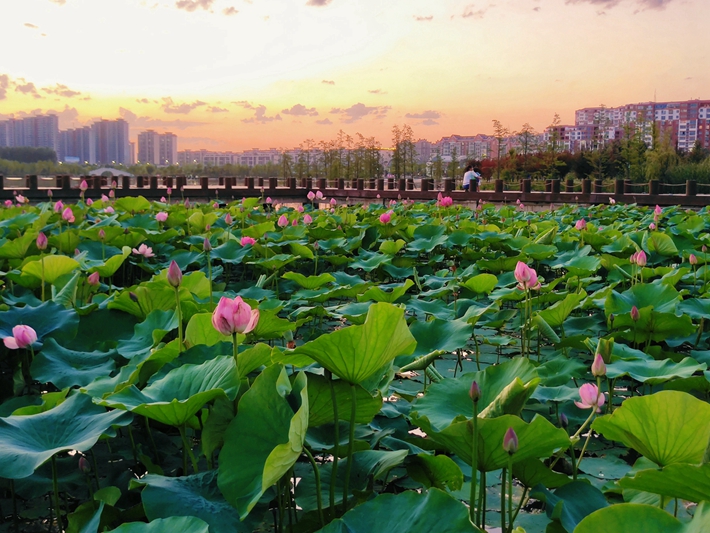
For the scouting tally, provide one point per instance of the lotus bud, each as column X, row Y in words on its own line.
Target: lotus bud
column 133, row 296
column 207, row 245
column 598, row 366
column 89, row 202
column 50, row 193
column 174, row 274
column 84, row 465
column 564, row 421
column 93, row 279
column 228, row 219
column 283, row 221
column 41, row 241
column 311, row 196
column 704, row 248
column 112, row 194
column 83, row 186
column 510, row 441
column 635, row 315
column 307, row 219
column 692, row 259
column 475, row 392
column 641, row 258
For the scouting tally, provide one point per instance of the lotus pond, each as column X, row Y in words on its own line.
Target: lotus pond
column 378, row 369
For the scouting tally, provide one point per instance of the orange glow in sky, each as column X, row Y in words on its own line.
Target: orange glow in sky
column 239, row 74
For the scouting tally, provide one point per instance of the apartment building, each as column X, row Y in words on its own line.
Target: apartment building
column 112, row 144
column 41, row 131
column 77, row 146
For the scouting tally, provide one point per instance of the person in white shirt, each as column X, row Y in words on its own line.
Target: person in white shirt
column 471, row 178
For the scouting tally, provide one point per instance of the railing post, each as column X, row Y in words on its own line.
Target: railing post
column 691, row 188
column 360, row 184
column 548, row 185
column 586, row 186
column 569, row 185
column 180, row 182
column 66, row 183
column 380, row 184
column 498, row 184
column 32, row 182
column 273, row 183
column 598, row 186
column 555, row 189
column 249, row 180
column 627, row 187
column 526, row 185
column 402, row 184
column 340, row 184
column 2, row 182
column 424, row 184
column 653, row 187
column 204, row 183
column 154, row 183
column 125, row 182
column 228, row 182
column 448, row 185
column 309, row 183
column 619, row 187
column 139, row 182
column 410, row 184
column 168, row 182
column 321, row 184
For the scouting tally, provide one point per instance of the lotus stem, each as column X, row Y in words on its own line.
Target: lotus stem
column 474, row 464
column 336, row 444
column 55, row 486
column 319, row 496
column 188, row 451
column 209, row 275
column 351, row 445
column 178, row 310
column 510, row 492
column 152, row 440
column 502, row 500
column 41, row 262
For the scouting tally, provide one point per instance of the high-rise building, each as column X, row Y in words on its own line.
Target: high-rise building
column 148, row 147
column 77, row 145
column 168, row 149
column 112, row 145
column 41, row 131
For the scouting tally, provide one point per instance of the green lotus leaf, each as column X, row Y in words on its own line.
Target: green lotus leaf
column 175, row 398
column 696, row 308
column 270, row 326
column 275, row 262
column 482, row 283
column 132, row 204
column 392, row 247
column 666, row 427
column 265, row 438
column 449, row 399
column 370, row 261
column 310, row 282
column 654, row 372
column 112, row 264
column 663, row 298
column 301, row 251
column 571, row 503
column 356, row 352
column 379, row 295
column 409, row 512
column 433, row 335
column 148, row 333
column 259, row 230
column 68, row 368
column 48, row 320
column 661, row 243
column 76, row 424
column 165, row 525
column 556, row 314
column 321, row 405
column 254, row 357
column 532, row 472
column 438, row 471
column 55, row 266
column 427, row 244
column 642, row 518
column 200, row 330
column 654, row 326
column 684, row 481
column 196, row 495
column 17, row 248
column 231, row 252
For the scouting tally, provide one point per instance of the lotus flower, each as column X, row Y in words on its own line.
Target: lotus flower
column 598, row 366
column 300, row 208
column 319, row 195
column 112, row 193
column 58, row 207
column 234, row 316
column 658, row 211
column 89, row 202
column 635, row 315
column 581, row 224
column 333, row 201
column 526, row 277
column 510, row 441
column 307, row 219
column 591, row 397
column 109, row 210
column 50, row 193
column 475, row 391
column 269, row 200
column 247, row 241
column 228, row 219
column 41, row 241
column 161, row 217
column 22, row 337
column 294, row 222
column 93, row 279
column 8, row 203
column 162, row 199
column 692, row 259
column 144, row 250
column 641, row 258
column 652, row 226
column 83, row 186
column 20, row 199
column 104, row 198
column 612, row 201
column 283, row 221
column 174, row 274
column 102, row 234
column 68, row 215
column 207, row 245
column 169, row 191
column 386, row 217
column 311, row 196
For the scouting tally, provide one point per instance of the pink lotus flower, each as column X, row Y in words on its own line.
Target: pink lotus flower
column 283, row 221
column 598, row 366
column 8, row 203
column 269, row 200
column 641, row 258
column 58, row 207
column 104, row 198
column 93, row 279
column 307, row 219
column 169, row 191
column 163, row 200
column 112, row 193
column 215, row 205
column 445, row 201
column 41, row 241
column 658, row 211
column 22, row 337
column 109, row 210
column 386, row 217
column 510, row 441
column 526, row 277
column 144, row 250
column 294, row 222
column 299, row 208
column 581, row 224
column 591, row 397
column 319, row 195
column 333, row 201
column 83, row 186
column 234, row 316
column 20, row 199
column 68, row 215
column 612, row 201
column 228, row 219
column 248, row 241
column 311, row 196
column 89, row 202
column 161, row 217
column 692, row 259
column 174, row 274
column 652, row 226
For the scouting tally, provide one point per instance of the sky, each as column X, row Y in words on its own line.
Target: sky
column 241, row 74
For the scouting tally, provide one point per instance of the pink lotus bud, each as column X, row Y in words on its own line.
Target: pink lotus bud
column 20, row 199
column 612, row 201
column 311, row 196
column 109, row 210
column 93, row 279
column 215, row 205
column 526, row 277
column 112, row 194
column 163, row 200
column 169, row 191
column 22, row 337
column 386, row 217
column 692, row 259
column 475, row 392
column 102, row 234
column 652, row 226
column 635, row 315
column 228, row 219
column 50, row 193
column 41, row 241
column 333, row 201
column 248, row 241
column 68, row 215
column 83, row 186
column 174, row 274
column 187, row 203
column 299, row 208
column 84, row 465
column 319, row 195
column 113, row 184
column 658, row 211
column 641, row 258
column 207, row 245
column 581, row 224
column 294, row 222
column 58, row 207
column 283, row 221
column 269, row 200
column 234, row 316
column 8, row 203
column 598, row 366
column 307, row 219
column 133, row 296
column 161, row 217
column 89, row 202
column 208, row 227
column 510, row 441
column 104, row 198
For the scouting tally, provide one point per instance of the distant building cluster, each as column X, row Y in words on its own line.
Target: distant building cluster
column 105, row 142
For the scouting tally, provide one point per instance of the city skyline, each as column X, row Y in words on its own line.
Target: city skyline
column 239, row 74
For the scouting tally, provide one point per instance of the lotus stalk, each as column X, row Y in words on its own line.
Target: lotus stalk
column 351, row 446
column 316, row 474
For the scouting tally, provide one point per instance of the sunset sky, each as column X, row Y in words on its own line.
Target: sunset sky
column 239, row 74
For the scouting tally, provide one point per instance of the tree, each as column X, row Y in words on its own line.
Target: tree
column 397, row 162
column 453, row 168
column 527, row 138
column 500, row 133
column 286, row 162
